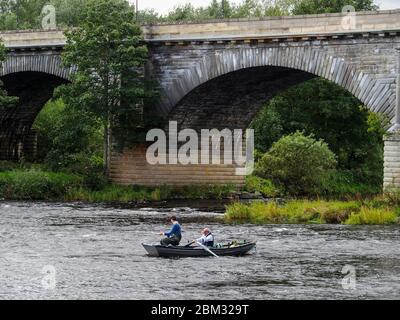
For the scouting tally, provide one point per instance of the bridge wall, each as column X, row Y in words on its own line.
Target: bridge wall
column 223, row 85
column 219, row 74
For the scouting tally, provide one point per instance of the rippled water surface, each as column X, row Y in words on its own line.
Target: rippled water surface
column 96, row 253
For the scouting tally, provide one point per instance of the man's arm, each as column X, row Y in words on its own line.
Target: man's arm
column 173, row 229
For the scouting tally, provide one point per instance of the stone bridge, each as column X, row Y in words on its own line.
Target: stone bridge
column 218, row 74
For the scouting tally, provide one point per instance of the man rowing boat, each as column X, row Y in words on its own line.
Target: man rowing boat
column 207, row 238
column 174, row 236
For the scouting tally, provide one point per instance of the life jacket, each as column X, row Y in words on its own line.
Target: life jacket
column 209, row 243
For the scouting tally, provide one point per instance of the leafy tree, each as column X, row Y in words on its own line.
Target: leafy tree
column 185, row 12
column 269, row 126
column 69, row 13
column 220, row 9
column 323, row 109
column 109, row 54
column 329, row 6
column 248, row 9
column 27, row 12
column 68, row 139
column 149, row 16
column 298, row 162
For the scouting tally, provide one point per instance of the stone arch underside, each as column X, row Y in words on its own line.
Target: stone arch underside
column 295, row 64
column 33, row 89
column 233, row 100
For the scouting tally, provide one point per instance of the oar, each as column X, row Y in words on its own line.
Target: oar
column 208, row 250
column 189, row 244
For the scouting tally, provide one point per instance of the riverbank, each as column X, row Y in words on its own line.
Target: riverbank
column 51, row 186
column 257, row 202
column 375, row 211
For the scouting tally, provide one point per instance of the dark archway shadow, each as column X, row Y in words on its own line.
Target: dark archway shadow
column 234, row 99
column 33, row 89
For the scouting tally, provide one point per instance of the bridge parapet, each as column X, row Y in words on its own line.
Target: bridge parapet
column 33, row 39
column 275, row 27
column 379, row 23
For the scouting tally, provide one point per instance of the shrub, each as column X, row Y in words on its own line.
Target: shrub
column 344, row 183
column 298, row 162
column 36, row 185
column 296, row 211
column 8, row 166
column 264, row 186
column 372, row 216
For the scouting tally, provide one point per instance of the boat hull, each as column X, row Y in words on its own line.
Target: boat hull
column 182, row 251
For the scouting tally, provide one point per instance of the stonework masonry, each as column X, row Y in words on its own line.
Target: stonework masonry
column 218, row 74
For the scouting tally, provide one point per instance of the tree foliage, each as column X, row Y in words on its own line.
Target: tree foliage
column 331, row 6
column 68, row 139
column 26, row 14
column 298, row 162
column 328, row 112
column 109, row 55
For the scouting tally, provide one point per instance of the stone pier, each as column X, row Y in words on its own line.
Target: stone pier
column 392, row 162
column 391, row 176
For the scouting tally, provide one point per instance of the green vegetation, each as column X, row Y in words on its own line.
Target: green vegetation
column 124, row 194
column 262, row 186
column 372, row 216
column 324, row 110
column 343, row 184
column 298, row 162
column 26, row 14
column 17, row 183
column 68, row 140
column 306, row 211
column 36, row 185
column 109, row 44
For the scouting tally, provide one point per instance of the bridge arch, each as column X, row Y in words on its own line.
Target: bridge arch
column 377, row 95
column 41, row 63
column 32, row 78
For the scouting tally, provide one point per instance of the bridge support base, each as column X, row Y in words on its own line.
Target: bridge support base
column 391, row 176
column 132, row 168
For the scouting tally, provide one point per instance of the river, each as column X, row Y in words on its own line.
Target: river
column 59, row 251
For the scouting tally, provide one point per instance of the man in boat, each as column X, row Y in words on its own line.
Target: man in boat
column 174, row 236
column 207, row 238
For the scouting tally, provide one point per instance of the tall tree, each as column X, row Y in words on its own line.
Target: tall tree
column 109, row 54
column 330, row 6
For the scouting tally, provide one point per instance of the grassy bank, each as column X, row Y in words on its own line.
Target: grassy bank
column 373, row 212
column 51, row 186
column 36, row 184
